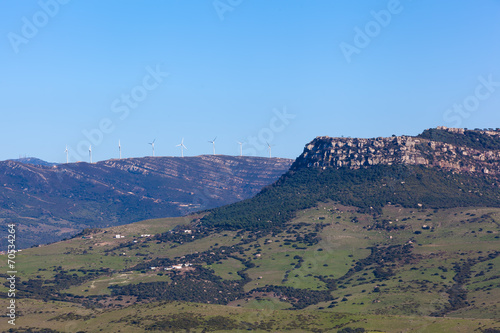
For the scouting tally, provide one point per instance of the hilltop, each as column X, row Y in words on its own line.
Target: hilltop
column 414, row 172
column 463, row 151
column 34, row 161
column 53, row 202
column 409, row 241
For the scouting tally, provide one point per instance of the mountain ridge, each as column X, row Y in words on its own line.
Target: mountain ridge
column 53, row 202
column 33, row 160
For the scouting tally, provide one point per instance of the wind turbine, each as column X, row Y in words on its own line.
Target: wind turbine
column 269, row 148
column 153, row 146
column 90, row 153
column 120, row 149
column 182, row 147
column 66, row 151
column 241, row 147
column 213, row 143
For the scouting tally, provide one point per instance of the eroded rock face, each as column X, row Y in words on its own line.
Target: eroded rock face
column 356, row 153
column 52, row 202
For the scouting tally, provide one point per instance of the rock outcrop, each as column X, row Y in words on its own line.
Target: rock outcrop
column 358, row 153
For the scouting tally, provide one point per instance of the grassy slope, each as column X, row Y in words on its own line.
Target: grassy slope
column 137, row 317
column 417, row 289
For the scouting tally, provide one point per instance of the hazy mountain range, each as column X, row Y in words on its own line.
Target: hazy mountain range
column 50, row 202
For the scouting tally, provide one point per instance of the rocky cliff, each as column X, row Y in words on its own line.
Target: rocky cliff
column 472, row 151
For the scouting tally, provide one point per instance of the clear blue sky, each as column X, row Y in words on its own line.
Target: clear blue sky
column 73, row 66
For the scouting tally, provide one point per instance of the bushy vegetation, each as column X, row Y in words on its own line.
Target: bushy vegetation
column 457, row 292
column 381, row 256
column 299, row 298
column 62, row 279
column 200, row 285
column 369, row 189
column 472, row 139
column 365, row 272
column 32, row 330
column 185, row 321
column 352, row 330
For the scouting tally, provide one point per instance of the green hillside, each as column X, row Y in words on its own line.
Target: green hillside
column 475, row 139
column 369, row 189
column 331, row 267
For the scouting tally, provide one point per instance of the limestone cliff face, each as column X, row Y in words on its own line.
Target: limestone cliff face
column 358, row 153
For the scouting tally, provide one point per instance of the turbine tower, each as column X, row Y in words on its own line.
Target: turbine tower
column 241, row 148
column 90, row 153
column 153, row 146
column 213, row 143
column 269, row 148
column 182, row 147
column 66, row 151
column 120, row 148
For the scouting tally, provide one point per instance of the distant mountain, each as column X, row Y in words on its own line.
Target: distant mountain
column 53, row 202
column 34, row 161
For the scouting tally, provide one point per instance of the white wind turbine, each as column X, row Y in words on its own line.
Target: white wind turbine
column 269, row 148
column 67, row 157
column 213, row 143
column 153, row 146
column 241, row 147
column 120, row 149
column 90, row 153
column 182, row 147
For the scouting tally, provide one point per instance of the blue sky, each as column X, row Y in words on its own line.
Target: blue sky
column 82, row 73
